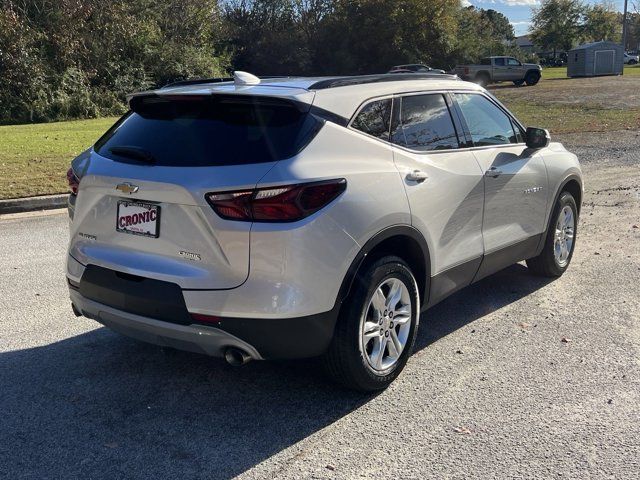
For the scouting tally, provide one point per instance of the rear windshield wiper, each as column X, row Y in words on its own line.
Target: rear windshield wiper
column 133, row 153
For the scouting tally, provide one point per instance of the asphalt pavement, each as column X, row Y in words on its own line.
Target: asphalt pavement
column 514, row 377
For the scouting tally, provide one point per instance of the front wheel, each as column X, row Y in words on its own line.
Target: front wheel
column 377, row 327
column 560, row 240
column 532, row 78
column 518, row 83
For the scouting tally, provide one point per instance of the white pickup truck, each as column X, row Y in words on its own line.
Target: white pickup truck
column 500, row 69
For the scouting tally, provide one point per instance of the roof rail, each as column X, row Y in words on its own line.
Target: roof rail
column 386, row 77
column 196, row 81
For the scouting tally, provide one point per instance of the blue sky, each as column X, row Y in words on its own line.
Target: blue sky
column 519, row 11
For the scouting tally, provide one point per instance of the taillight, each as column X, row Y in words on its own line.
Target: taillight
column 466, row 70
column 74, row 181
column 200, row 317
column 277, row 204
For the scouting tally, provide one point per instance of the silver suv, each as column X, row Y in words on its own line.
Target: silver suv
column 300, row 217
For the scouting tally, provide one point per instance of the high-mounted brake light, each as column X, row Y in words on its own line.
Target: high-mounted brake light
column 73, row 180
column 287, row 203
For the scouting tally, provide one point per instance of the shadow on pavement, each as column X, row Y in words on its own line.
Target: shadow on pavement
column 99, row 405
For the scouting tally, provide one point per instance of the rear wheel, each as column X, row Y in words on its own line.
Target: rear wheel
column 532, row 78
column 482, row 79
column 377, row 327
column 560, row 240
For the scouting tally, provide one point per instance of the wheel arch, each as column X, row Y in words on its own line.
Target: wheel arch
column 571, row 184
column 403, row 241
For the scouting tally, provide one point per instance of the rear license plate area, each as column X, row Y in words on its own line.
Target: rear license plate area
column 138, row 218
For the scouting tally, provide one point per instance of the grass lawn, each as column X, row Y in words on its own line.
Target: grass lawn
column 34, row 158
column 565, row 105
column 561, row 72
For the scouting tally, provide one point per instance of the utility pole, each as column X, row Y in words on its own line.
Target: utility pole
column 624, row 32
column 624, row 27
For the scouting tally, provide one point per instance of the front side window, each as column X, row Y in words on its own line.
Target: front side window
column 512, row 62
column 425, row 124
column 374, row 119
column 487, row 123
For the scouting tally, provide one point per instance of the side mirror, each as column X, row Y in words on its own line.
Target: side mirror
column 537, row 137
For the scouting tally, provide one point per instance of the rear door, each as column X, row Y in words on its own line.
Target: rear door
column 515, row 179
column 515, row 70
column 444, row 186
column 141, row 205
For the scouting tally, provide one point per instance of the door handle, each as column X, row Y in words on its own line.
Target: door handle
column 493, row 172
column 417, row 176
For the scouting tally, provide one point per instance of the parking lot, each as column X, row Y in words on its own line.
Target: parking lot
column 514, row 377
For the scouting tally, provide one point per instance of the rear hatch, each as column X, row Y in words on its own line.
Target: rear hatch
column 141, row 205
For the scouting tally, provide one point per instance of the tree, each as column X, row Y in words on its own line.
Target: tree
column 500, row 26
column 557, row 24
column 602, row 22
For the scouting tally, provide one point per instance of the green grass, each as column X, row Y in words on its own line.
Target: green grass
column 552, row 73
column 34, row 158
column 562, row 118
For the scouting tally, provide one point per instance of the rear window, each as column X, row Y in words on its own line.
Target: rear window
column 212, row 130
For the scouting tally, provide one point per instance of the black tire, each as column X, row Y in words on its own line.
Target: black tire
column 546, row 263
column 632, row 62
column 532, row 78
column 345, row 360
column 482, row 79
column 518, row 83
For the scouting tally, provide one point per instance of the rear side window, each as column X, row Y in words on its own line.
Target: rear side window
column 487, row 123
column 211, row 130
column 425, row 124
column 374, row 119
column 498, row 62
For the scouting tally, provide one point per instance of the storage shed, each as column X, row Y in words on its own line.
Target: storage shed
column 598, row 58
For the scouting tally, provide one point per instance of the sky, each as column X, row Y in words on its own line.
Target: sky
column 519, row 11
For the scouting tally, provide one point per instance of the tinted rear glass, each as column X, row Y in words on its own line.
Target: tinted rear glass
column 210, row 130
column 425, row 124
column 374, row 119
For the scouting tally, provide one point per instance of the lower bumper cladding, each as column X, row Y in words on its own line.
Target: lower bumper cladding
column 194, row 338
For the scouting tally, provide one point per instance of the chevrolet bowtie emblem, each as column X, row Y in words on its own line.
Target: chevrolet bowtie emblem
column 127, row 188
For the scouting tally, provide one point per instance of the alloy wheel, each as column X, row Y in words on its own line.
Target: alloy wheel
column 385, row 327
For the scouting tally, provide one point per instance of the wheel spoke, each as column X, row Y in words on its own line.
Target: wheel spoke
column 378, row 302
column 402, row 317
column 395, row 293
column 378, row 354
column 371, row 330
column 395, row 344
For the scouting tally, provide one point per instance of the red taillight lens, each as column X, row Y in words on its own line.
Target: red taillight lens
column 74, row 181
column 279, row 204
column 466, row 70
column 200, row 317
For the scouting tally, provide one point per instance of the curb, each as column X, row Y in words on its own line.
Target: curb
column 29, row 204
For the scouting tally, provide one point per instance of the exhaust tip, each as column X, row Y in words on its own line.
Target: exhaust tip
column 236, row 357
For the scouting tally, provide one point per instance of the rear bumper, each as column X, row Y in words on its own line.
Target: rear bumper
column 261, row 338
column 194, row 338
